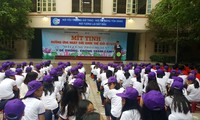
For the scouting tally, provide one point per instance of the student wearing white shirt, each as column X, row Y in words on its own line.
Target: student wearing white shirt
column 34, row 109
column 8, row 88
column 49, row 97
column 2, row 74
column 131, row 109
column 193, row 89
column 162, row 82
column 180, row 106
column 116, row 101
column 19, row 77
column 24, row 86
column 69, row 103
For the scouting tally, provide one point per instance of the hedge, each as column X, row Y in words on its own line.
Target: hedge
column 4, row 54
column 162, row 58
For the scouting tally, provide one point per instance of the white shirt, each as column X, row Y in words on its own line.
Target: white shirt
column 119, row 75
column 87, row 93
column 6, row 88
column 34, row 108
column 23, row 90
column 2, row 76
column 116, row 102
column 50, row 100
column 162, row 82
column 137, row 85
column 130, row 115
column 19, row 80
column 194, row 93
column 64, row 116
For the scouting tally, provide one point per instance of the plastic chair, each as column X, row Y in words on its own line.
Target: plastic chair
column 195, row 106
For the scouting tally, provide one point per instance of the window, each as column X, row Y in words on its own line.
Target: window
column 129, row 6
column 141, row 7
column 86, row 6
column 161, row 48
column 46, row 5
column 148, row 10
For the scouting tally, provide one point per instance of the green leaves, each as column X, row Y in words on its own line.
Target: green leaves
column 170, row 15
column 14, row 19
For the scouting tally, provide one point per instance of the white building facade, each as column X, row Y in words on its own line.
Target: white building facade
column 134, row 12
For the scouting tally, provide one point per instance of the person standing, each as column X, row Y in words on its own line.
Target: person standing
column 117, row 51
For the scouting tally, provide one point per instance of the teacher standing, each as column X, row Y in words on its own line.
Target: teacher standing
column 117, row 51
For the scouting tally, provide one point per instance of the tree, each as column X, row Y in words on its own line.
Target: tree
column 14, row 20
column 170, row 15
column 172, row 19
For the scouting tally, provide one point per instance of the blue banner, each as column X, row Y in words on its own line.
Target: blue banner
column 81, row 43
column 91, row 22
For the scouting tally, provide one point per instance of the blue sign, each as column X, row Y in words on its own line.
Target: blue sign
column 91, row 22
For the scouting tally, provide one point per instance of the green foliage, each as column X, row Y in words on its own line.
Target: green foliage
column 5, row 54
column 14, row 19
column 172, row 15
column 162, row 58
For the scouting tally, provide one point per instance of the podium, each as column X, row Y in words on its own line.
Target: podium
column 118, row 55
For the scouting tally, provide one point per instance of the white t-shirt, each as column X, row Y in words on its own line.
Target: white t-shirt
column 137, row 85
column 2, row 76
column 127, row 82
column 103, row 76
column 111, row 68
column 23, row 90
column 130, row 115
column 87, row 93
column 168, row 101
column 6, row 88
column 179, row 116
column 162, row 82
column 50, row 101
column 64, row 116
column 119, row 75
column 116, row 102
column 34, row 108
column 82, row 70
column 19, row 80
column 194, row 93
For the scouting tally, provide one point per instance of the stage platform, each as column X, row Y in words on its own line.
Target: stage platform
column 82, row 58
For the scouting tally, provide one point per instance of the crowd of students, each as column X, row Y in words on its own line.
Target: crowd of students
column 44, row 92
column 145, row 91
column 128, row 91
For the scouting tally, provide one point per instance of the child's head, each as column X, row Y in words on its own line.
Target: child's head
column 35, row 89
column 112, row 81
column 14, row 109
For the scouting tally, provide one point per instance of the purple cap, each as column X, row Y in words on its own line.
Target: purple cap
column 24, row 63
column 193, row 72
column 18, row 70
column 191, row 77
column 38, row 66
column 80, row 66
column 73, row 69
column 177, row 85
column 105, row 67
column 60, row 63
column 160, row 72
column 5, row 65
column 112, row 80
column 130, row 93
column 157, row 67
column 32, row 87
column 78, row 83
column 179, row 79
column 19, row 65
column 48, row 78
column 126, row 68
column 154, row 100
column 28, row 69
column 80, row 63
column 166, row 67
column 12, row 63
column 53, row 72
column 81, row 76
column 147, row 69
column 137, row 71
column 152, row 76
column 9, row 73
column 14, row 109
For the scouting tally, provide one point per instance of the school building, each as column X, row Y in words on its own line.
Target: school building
column 96, row 22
